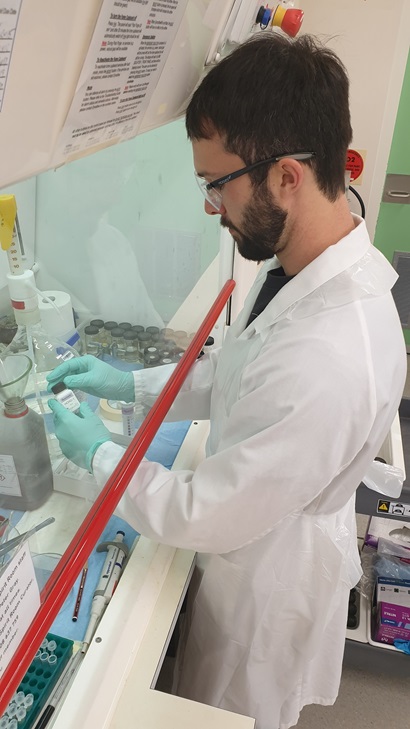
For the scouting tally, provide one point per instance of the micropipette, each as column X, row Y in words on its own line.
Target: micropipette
column 117, row 553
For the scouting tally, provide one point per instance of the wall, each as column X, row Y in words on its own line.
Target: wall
column 393, row 223
column 372, row 39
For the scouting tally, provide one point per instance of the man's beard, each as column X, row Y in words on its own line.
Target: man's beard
column 262, row 226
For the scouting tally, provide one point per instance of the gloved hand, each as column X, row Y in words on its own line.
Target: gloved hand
column 79, row 435
column 95, row 377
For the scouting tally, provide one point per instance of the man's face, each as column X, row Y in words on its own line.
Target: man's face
column 250, row 213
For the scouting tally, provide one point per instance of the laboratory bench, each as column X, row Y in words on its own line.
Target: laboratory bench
column 114, row 685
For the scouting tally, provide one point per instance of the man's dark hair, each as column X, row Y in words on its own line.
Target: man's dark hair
column 274, row 95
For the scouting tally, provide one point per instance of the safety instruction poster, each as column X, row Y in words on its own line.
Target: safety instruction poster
column 127, row 53
column 19, row 602
column 9, row 15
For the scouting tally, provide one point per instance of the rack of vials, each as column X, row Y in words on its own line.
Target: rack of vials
column 147, row 346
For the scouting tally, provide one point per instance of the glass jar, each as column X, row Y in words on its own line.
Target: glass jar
column 92, row 345
column 117, row 343
column 131, row 346
column 152, row 330
column 105, row 334
column 144, row 341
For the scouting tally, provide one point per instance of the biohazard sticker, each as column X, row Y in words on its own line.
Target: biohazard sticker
column 393, row 508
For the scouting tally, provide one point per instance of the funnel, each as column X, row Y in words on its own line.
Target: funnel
column 14, row 372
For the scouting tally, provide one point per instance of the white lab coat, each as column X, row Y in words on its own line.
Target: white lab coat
column 299, row 403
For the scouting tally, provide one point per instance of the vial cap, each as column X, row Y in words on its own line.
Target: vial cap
column 152, row 330
column 130, row 335
column 137, row 328
column 144, row 336
column 209, row 342
column 58, row 387
column 97, row 323
column 117, row 332
column 125, row 325
column 110, row 325
column 91, row 329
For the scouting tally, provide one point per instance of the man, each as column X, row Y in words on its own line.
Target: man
column 300, row 396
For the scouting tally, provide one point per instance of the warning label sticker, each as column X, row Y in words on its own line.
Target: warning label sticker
column 393, row 508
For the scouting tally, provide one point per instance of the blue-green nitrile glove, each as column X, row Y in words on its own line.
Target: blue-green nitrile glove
column 79, row 435
column 95, row 377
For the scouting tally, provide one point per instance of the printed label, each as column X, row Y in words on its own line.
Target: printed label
column 9, row 480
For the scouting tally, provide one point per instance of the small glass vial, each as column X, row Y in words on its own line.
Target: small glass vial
column 144, row 340
column 151, row 360
column 167, row 333
column 137, row 328
column 178, row 335
column 92, row 345
column 105, row 334
column 117, row 343
column 152, row 330
column 151, row 356
column 66, row 397
column 131, row 346
column 97, row 323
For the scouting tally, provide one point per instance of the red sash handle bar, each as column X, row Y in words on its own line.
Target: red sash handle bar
column 84, row 540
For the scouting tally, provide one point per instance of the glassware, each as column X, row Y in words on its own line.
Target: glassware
column 131, row 346
column 117, row 343
column 92, row 345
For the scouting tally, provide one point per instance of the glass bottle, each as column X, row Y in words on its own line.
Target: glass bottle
column 100, row 326
column 144, row 340
column 131, row 346
column 106, row 338
column 117, row 343
column 92, row 345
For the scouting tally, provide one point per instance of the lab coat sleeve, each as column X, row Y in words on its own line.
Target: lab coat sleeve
column 193, row 399
column 289, row 437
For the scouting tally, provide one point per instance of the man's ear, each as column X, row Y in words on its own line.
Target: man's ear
column 286, row 177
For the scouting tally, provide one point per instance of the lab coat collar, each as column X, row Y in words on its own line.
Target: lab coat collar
column 333, row 261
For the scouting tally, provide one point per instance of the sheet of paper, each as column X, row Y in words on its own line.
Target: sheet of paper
column 9, row 15
column 19, row 602
column 127, row 53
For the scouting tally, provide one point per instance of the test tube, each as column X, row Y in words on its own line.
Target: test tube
column 128, row 418
column 52, row 645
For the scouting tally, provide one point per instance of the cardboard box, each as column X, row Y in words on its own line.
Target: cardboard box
column 392, row 599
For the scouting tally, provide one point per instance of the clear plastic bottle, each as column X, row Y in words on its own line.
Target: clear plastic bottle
column 25, row 467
